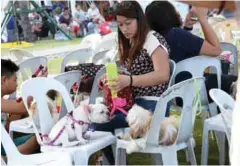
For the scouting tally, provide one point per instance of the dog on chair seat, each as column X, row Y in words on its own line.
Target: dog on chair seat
column 71, row 129
column 139, row 121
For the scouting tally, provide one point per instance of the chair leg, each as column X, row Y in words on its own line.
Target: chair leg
column 221, row 140
column 186, row 154
column 81, row 159
column 204, row 155
column 120, row 157
column 156, row 159
column 169, row 156
column 191, row 153
column 204, row 115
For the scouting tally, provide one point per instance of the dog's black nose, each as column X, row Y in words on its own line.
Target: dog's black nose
column 108, row 113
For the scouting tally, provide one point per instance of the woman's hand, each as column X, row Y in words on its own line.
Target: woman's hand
column 188, row 22
column 121, row 82
column 199, row 12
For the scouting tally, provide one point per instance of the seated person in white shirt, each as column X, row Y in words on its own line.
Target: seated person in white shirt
column 80, row 18
column 93, row 16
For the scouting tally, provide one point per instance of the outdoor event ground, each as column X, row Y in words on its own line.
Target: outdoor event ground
column 54, row 65
column 136, row 159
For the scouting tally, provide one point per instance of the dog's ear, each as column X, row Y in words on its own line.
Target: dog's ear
column 88, row 108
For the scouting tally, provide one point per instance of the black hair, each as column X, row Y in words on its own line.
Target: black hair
column 65, row 8
column 8, row 68
column 78, row 4
column 162, row 16
column 131, row 9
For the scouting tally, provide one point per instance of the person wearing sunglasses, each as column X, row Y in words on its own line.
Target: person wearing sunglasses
column 144, row 53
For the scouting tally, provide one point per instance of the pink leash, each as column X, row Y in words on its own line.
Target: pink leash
column 118, row 104
column 79, row 122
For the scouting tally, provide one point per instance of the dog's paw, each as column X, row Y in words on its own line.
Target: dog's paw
column 120, row 135
column 132, row 147
column 83, row 141
column 87, row 136
column 70, row 144
column 125, row 136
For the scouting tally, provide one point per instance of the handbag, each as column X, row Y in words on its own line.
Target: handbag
column 123, row 102
column 89, row 71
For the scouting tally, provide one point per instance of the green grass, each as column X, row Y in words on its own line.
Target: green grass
column 45, row 44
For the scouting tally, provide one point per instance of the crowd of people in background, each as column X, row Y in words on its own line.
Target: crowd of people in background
column 84, row 20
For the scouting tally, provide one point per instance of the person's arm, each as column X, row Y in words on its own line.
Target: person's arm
column 211, row 4
column 60, row 19
column 211, row 45
column 75, row 18
column 159, row 75
column 12, row 107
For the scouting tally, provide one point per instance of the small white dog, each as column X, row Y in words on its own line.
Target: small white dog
column 70, row 130
column 139, row 121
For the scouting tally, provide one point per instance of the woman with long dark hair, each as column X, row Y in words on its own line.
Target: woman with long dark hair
column 163, row 18
column 144, row 53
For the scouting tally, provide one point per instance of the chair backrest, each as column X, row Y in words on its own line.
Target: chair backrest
column 91, row 40
column 68, row 79
column 197, row 65
column 20, row 54
column 226, row 105
column 37, row 88
column 8, row 144
column 104, row 57
column 31, row 65
column 81, row 56
column 187, row 90
column 105, row 45
column 233, row 49
column 110, row 36
column 95, row 89
column 172, row 66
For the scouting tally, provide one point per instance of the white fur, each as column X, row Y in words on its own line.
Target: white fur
column 139, row 119
column 97, row 113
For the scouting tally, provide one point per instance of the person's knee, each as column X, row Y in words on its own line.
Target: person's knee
column 90, row 25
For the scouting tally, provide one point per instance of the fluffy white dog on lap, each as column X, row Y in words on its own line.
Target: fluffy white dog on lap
column 139, row 121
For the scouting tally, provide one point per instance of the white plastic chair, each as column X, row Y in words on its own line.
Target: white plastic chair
column 68, row 79
column 187, row 90
column 25, row 125
column 27, row 68
column 221, row 123
column 19, row 55
column 111, row 36
column 81, row 56
column 80, row 154
column 104, row 57
column 32, row 64
column 196, row 67
column 29, row 65
column 105, row 45
column 233, row 49
column 91, row 41
column 172, row 66
column 14, row 157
